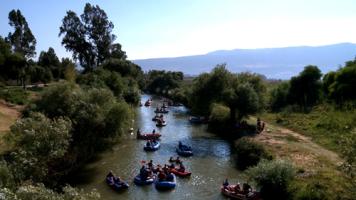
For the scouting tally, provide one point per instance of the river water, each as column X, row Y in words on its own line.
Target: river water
column 211, row 163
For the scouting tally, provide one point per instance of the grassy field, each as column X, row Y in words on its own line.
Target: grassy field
column 312, row 142
column 324, row 125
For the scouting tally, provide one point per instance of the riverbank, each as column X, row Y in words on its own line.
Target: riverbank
column 318, row 168
column 8, row 115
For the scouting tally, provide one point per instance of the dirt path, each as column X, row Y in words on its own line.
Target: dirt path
column 285, row 143
column 8, row 116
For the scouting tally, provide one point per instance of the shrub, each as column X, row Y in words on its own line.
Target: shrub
column 309, row 191
column 14, row 95
column 96, row 114
column 249, row 153
column 273, row 177
column 219, row 118
column 40, row 192
column 38, row 141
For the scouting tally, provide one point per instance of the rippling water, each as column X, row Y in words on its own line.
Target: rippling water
column 211, row 163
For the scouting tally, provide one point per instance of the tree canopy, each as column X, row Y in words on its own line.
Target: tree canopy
column 89, row 37
column 22, row 39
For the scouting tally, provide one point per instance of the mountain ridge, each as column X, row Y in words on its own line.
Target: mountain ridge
column 277, row 63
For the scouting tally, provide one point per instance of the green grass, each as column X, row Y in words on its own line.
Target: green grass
column 14, row 95
column 324, row 125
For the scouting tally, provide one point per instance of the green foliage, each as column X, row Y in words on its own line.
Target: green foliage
column 273, row 177
column 348, row 148
column 40, row 192
column 249, row 153
column 309, row 191
column 162, row 82
column 305, row 89
column 279, row 96
column 340, row 85
column 242, row 93
column 21, row 39
column 6, row 177
column 50, row 62
column 89, row 37
column 38, row 141
column 14, row 95
column 219, row 118
column 91, row 111
column 122, row 88
column 124, row 67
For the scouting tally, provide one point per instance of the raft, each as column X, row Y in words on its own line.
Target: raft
column 240, row 196
column 149, row 136
column 165, row 185
column 155, row 146
column 138, row 181
column 155, row 118
column 181, row 174
column 184, row 151
column 197, row 120
column 117, row 186
column 147, row 103
column 162, row 111
column 161, row 124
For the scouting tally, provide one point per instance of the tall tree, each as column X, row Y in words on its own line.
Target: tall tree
column 50, row 61
column 89, row 37
column 22, row 39
column 305, row 89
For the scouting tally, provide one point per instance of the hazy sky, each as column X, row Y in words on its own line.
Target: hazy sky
column 157, row 28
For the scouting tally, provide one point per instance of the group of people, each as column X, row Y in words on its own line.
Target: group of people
column 246, row 188
column 163, row 173
column 151, row 143
column 162, row 109
column 112, row 179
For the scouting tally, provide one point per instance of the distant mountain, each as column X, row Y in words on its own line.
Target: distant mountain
column 278, row 63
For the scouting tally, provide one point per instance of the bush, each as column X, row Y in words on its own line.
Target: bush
column 273, row 177
column 310, row 191
column 249, row 153
column 6, row 178
column 40, row 192
column 38, row 141
column 219, row 118
column 96, row 114
column 14, row 95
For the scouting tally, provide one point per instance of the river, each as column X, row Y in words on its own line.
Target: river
column 211, row 163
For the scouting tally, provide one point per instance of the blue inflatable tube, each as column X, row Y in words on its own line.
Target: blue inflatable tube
column 166, row 185
column 155, row 146
column 139, row 181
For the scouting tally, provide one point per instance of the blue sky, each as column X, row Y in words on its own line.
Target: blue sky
column 157, row 28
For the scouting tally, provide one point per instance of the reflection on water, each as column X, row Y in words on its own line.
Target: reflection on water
column 211, row 163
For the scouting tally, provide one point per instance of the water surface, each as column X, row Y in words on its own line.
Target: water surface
column 211, row 163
